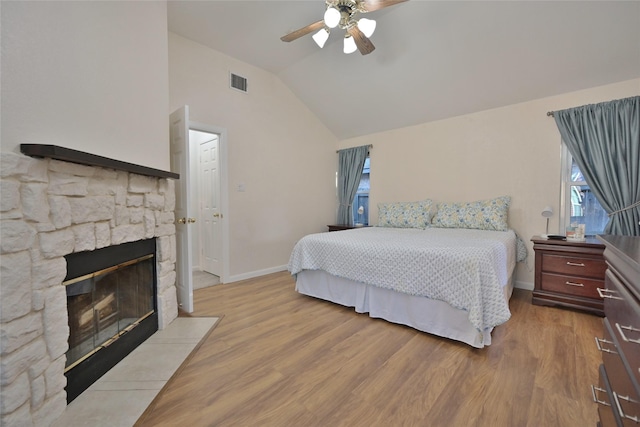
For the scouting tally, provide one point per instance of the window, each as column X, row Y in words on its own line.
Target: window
column 361, row 200
column 578, row 204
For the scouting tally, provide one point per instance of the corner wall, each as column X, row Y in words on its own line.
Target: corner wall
column 514, row 151
column 277, row 149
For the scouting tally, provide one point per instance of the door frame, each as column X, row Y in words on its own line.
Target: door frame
column 224, row 193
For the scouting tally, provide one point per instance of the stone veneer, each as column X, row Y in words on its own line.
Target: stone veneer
column 49, row 209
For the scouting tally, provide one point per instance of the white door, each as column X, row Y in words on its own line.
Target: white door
column 179, row 132
column 211, row 214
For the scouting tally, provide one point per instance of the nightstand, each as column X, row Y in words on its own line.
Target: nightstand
column 338, row 227
column 569, row 273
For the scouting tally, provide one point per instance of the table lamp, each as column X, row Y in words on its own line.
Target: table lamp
column 547, row 213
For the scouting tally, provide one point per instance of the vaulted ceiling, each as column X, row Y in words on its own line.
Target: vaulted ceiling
column 433, row 59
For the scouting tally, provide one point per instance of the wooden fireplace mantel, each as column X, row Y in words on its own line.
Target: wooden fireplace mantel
column 74, row 156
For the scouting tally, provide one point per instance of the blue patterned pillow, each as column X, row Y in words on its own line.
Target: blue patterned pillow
column 406, row 214
column 483, row 214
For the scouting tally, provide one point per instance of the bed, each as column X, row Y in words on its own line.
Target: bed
column 451, row 282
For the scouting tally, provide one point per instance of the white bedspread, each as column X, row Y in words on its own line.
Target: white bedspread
column 465, row 268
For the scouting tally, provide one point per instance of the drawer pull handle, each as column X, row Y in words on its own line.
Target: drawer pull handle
column 575, row 264
column 602, row 349
column 574, row 284
column 616, row 398
column 604, row 293
column 594, row 390
column 627, row 328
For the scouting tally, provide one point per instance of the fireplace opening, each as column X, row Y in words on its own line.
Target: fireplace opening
column 111, row 306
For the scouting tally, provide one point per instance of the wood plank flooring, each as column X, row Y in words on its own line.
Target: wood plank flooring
column 278, row 358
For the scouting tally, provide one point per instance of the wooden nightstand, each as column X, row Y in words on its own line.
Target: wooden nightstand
column 569, row 273
column 338, row 227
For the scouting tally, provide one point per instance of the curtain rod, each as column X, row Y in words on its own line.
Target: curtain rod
column 549, row 113
column 370, row 146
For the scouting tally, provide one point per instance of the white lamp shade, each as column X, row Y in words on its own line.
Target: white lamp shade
column 331, row 17
column 349, row 45
column 367, row 26
column 321, row 37
column 547, row 212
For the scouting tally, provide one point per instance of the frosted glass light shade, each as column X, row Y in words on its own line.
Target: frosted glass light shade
column 349, row 45
column 331, row 17
column 321, row 37
column 367, row 26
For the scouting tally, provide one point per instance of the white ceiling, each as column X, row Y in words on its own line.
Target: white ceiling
column 433, row 59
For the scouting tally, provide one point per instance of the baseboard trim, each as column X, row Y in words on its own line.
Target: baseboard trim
column 523, row 285
column 257, row 273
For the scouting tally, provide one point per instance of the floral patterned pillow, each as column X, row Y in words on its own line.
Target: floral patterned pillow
column 483, row 214
column 406, row 214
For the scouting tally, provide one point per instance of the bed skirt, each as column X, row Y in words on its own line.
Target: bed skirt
column 424, row 314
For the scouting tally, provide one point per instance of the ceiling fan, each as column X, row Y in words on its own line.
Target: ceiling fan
column 343, row 14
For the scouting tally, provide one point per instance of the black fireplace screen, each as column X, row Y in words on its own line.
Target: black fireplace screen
column 112, row 308
column 106, row 304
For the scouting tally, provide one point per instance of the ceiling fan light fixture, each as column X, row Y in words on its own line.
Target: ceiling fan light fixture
column 349, row 44
column 332, row 17
column 321, row 37
column 367, row 26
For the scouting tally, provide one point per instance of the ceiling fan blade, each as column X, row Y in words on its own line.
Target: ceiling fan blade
column 373, row 5
column 303, row 31
column 362, row 42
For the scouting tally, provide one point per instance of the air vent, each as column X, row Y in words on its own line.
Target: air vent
column 238, row 82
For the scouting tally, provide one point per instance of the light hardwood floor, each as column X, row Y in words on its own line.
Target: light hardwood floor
column 278, row 358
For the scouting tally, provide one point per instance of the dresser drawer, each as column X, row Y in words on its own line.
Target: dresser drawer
column 624, row 394
column 602, row 396
column 571, row 285
column 623, row 313
column 574, row 265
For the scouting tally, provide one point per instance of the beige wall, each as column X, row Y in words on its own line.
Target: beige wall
column 277, row 148
column 91, row 76
column 87, row 75
column 512, row 151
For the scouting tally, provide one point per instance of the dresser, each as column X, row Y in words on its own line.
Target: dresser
column 568, row 274
column 618, row 391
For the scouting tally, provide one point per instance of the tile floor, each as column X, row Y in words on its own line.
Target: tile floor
column 202, row 279
column 122, row 394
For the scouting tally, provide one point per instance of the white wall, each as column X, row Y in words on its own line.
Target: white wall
column 91, row 76
column 277, row 148
column 512, row 151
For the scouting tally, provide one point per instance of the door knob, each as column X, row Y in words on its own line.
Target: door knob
column 182, row 220
column 191, row 220
column 216, row 215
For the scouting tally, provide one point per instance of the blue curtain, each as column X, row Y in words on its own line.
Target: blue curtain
column 604, row 140
column 350, row 164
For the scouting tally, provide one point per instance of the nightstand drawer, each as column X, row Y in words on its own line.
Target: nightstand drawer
column 571, row 285
column 568, row 265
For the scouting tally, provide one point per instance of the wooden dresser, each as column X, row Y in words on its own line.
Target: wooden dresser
column 618, row 391
column 567, row 274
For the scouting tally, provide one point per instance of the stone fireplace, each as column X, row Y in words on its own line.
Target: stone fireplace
column 52, row 208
